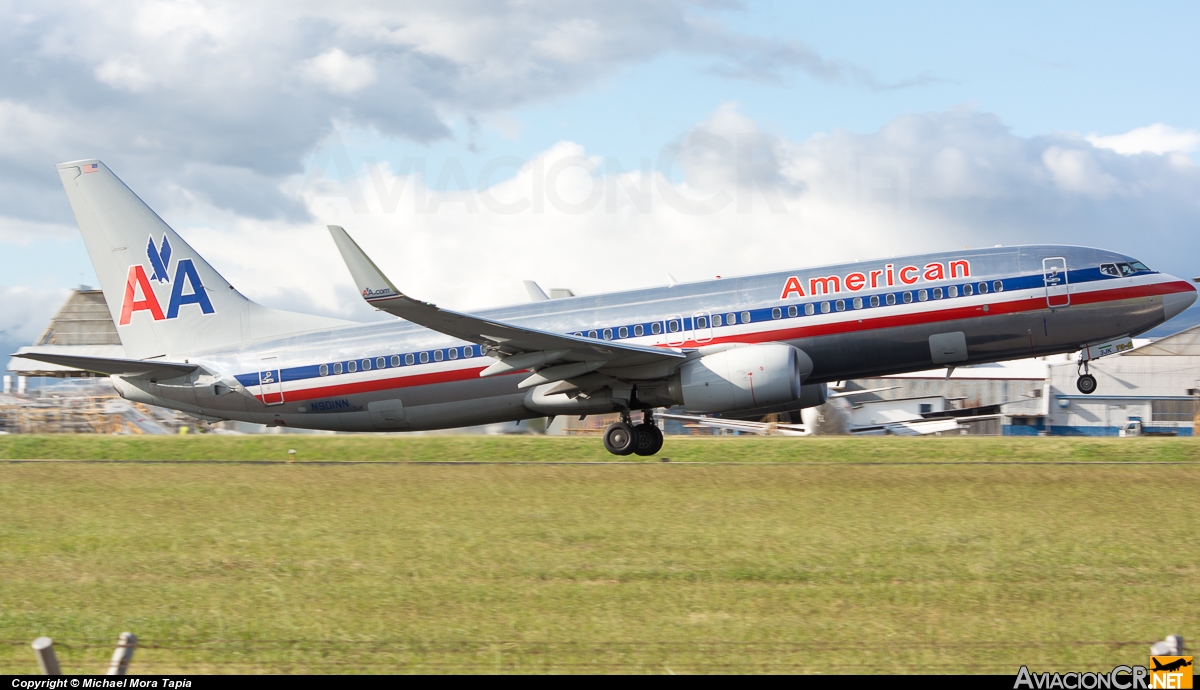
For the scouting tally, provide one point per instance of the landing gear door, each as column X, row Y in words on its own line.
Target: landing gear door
column 270, row 388
column 1058, row 289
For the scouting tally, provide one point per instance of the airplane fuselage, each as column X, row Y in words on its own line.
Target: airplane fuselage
column 868, row 318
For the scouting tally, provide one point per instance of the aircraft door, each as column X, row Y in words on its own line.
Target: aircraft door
column 702, row 327
column 673, row 329
column 269, row 385
column 1058, row 288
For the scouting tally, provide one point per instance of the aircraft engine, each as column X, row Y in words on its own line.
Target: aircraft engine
column 743, row 378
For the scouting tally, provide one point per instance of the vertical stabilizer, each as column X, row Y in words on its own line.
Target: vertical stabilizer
column 164, row 297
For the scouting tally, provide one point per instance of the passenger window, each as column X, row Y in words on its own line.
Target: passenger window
column 890, row 299
column 701, row 322
column 967, row 290
column 1126, row 269
column 793, row 311
column 638, row 330
column 337, row 367
column 608, row 334
column 874, row 300
column 809, row 310
column 592, row 335
column 351, row 366
column 983, row 288
column 716, row 320
column 437, row 355
column 673, row 326
column 998, row 286
column 952, row 291
column 745, row 317
column 395, row 360
column 908, row 298
column 453, row 352
column 840, row 305
column 381, row 363
column 656, row 328
column 323, row 369
column 937, row 293
column 824, row 307
column 469, row 351
column 424, row 357
column 622, row 332
column 366, row 365
column 1110, row 270
column 408, row 359
column 922, row 295
column 858, row 303
column 776, row 313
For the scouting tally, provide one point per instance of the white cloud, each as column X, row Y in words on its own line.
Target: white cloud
column 339, row 72
column 156, row 87
column 124, row 72
column 1077, row 170
column 25, row 313
column 1156, row 138
column 746, row 202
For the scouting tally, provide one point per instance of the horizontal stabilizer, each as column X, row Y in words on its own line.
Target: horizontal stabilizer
column 130, row 368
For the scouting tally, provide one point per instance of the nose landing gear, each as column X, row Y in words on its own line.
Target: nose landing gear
column 1086, row 383
column 624, row 438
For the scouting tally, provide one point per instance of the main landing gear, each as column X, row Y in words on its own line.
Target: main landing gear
column 1086, row 383
column 625, row 438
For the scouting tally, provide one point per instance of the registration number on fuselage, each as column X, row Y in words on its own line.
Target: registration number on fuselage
column 338, row 405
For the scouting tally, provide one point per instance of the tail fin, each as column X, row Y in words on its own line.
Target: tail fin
column 165, row 299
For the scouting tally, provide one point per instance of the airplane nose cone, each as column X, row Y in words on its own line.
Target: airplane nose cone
column 1174, row 303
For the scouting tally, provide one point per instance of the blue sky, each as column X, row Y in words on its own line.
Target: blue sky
column 214, row 126
column 1043, row 68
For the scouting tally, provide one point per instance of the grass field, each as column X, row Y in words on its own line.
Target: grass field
column 589, row 449
column 659, row 567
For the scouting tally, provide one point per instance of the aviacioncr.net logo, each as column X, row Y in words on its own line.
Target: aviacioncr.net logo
column 140, row 294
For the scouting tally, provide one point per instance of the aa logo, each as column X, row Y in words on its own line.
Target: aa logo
column 1170, row 672
column 139, row 291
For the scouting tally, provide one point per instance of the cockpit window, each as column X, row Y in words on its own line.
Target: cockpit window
column 1139, row 266
column 1109, row 270
column 1126, row 269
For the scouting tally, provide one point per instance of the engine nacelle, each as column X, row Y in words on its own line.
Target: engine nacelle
column 744, row 378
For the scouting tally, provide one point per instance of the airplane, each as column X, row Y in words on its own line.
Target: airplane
column 742, row 346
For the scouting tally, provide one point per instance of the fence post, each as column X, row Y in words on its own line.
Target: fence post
column 43, row 647
column 1172, row 646
column 121, row 657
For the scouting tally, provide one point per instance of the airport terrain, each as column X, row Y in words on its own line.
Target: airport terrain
column 869, row 564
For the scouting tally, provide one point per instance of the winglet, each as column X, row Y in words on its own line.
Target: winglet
column 535, row 292
column 370, row 280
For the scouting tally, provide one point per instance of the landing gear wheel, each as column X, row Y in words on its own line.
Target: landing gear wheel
column 620, row 438
column 649, row 439
column 1086, row 384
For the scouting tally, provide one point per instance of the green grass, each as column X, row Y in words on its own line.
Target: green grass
column 585, row 449
column 655, row 568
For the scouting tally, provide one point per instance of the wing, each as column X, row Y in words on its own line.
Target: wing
column 760, row 428
column 132, row 368
column 557, row 356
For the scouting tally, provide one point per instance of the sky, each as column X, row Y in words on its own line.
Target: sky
column 470, row 145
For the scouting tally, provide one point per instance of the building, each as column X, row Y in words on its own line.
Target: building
column 1155, row 387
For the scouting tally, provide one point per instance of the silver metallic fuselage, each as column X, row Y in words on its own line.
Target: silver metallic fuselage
column 1051, row 299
